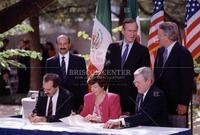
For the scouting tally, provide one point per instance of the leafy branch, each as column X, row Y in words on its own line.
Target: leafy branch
column 5, row 62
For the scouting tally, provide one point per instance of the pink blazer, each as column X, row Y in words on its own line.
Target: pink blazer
column 109, row 108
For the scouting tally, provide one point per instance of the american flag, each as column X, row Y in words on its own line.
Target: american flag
column 156, row 20
column 192, row 29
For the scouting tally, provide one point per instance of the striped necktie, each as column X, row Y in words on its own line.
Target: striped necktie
column 139, row 101
column 165, row 56
column 63, row 68
column 50, row 107
column 123, row 60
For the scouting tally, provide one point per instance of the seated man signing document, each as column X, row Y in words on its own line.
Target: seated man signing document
column 53, row 101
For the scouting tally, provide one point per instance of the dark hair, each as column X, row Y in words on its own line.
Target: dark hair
column 51, row 77
column 98, row 77
column 128, row 20
column 5, row 41
column 50, row 45
column 26, row 41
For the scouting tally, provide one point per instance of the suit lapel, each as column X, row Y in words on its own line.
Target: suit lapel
column 119, row 54
column 170, row 58
column 57, row 65
column 71, row 63
column 59, row 101
column 43, row 97
column 132, row 56
column 160, row 57
column 57, row 61
column 146, row 98
column 172, row 54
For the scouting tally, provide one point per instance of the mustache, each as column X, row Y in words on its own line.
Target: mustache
column 63, row 48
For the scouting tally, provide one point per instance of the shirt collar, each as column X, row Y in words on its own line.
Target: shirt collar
column 66, row 57
column 55, row 95
column 144, row 95
column 124, row 43
column 169, row 48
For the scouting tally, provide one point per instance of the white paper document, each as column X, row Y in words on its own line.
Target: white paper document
column 76, row 124
column 77, row 121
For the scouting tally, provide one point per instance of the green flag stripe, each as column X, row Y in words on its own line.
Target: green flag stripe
column 103, row 13
column 131, row 10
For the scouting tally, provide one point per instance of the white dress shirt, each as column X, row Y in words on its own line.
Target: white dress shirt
column 169, row 48
column 124, row 48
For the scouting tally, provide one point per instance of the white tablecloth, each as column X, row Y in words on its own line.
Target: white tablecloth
column 28, row 104
column 16, row 123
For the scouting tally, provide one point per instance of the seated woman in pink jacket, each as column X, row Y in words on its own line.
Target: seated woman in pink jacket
column 99, row 105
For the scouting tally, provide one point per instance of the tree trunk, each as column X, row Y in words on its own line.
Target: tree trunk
column 18, row 12
column 122, row 14
column 35, row 75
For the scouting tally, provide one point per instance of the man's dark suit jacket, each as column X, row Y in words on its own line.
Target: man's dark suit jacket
column 176, row 77
column 63, row 107
column 153, row 110
column 76, row 79
column 121, row 82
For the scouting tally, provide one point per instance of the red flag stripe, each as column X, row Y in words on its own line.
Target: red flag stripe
column 151, row 35
column 193, row 39
column 153, row 45
column 155, row 49
column 196, row 52
column 157, row 20
column 193, row 25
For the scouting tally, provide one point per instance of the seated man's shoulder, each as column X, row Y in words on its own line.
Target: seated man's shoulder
column 52, row 58
column 157, row 92
column 65, row 91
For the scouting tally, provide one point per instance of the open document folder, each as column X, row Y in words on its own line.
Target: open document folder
column 77, row 120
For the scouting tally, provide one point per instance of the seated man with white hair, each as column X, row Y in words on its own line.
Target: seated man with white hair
column 151, row 109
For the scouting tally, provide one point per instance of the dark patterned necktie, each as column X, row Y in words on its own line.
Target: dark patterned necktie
column 63, row 68
column 50, row 107
column 124, row 56
column 164, row 56
column 139, row 101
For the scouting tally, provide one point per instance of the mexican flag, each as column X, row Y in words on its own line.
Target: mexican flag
column 131, row 11
column 101, row 36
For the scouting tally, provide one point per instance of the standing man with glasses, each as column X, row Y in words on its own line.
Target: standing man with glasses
column 174, row 73
column 53, row 101
column 71, row 69
column 122, row 59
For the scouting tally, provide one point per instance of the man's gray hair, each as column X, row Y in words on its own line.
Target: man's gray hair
column 146, row 72
column 170, row 30
column 63, row 36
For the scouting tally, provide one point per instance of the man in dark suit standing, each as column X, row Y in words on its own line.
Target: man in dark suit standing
column 53, row 101
column 151, row 105
column 122, row 59
column 71, row 69
column 174, row 70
